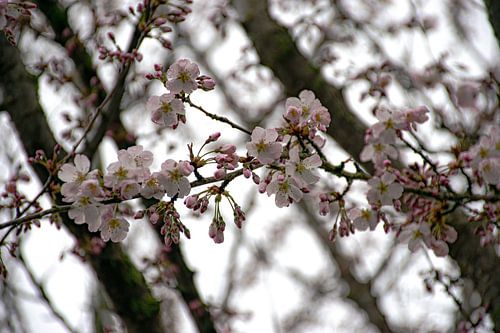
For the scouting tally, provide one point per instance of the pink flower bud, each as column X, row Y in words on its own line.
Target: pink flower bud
column 247, row 173
column 213, row 137
column 219, row 174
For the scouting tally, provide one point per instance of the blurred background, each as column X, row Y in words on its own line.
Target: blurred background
column 279, row 273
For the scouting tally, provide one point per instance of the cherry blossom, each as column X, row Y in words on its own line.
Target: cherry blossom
column 307, row 103
column 378, row 152
column 74, row 175
column 363, row 218
column 116, row 174
column 85, row 211
column 383, row 190
column 415, row 235
column 302, row 170
column 151, row 188
column 385, row 130
column 113, row 227
column 182, row 77
column 165, row 109
column 173, row 177
column 137, row 160
column 264, row 146
column 285, row 188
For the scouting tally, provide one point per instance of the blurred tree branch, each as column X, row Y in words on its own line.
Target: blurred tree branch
column 479, row 264
column 59, row 20
column 137, row 307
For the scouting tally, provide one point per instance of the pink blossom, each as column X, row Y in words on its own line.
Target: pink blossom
column 129, row 189
column 264, row 146
column 286, row 190
column 173, row 177
column 307, row 103
column 74, row 175
column 116, row 174
column 385, row 130
column 364, row 218
column 85, row 211
column 490, row 170
column 408, row 119
column 165, row 109
column 182, row 77
column 416, row 235
column 320, row 118
column 205, row 82
column 112, row 227
column 383, row 190
column 293, row 114
column 137, row 161
column 302, row 170
column 92, row 189
column 151, row 188
column 378, row 152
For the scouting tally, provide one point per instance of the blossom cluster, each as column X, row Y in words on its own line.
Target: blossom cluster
column 291, row 156
column 289, row 151
column 181, row 79
column 129, row 177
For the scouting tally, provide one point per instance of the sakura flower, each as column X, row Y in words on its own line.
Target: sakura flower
column 129, row 189
column 137, row 159
column 383, row 190
column 112, row 227
column 293, row 114
column 92, row 189
column 385, row 130
column 301, row 170
column 378, row 152
column 182, row 77
column 408, row 119
column 264, row 146
column 74, row 175
column 307, row 103
column 173, row 177
column 320, row 118
column 363, row 218
column 490, row 170
column 216, row 230
column 286, row 190
column 116, row 174
column 165, row 109
column 151, row 188
column 206, row 83
column 416, row 235
column 85, row 211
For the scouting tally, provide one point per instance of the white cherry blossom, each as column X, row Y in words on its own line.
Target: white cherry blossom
column 302, row 170
column 113, row 227
column 285, row 188
column 264, row 146
column 173, row 177
column 182, row 77
column 383, row 190
column 165, row 109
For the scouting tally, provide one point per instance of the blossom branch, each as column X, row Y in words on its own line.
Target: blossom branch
column 216, row 117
